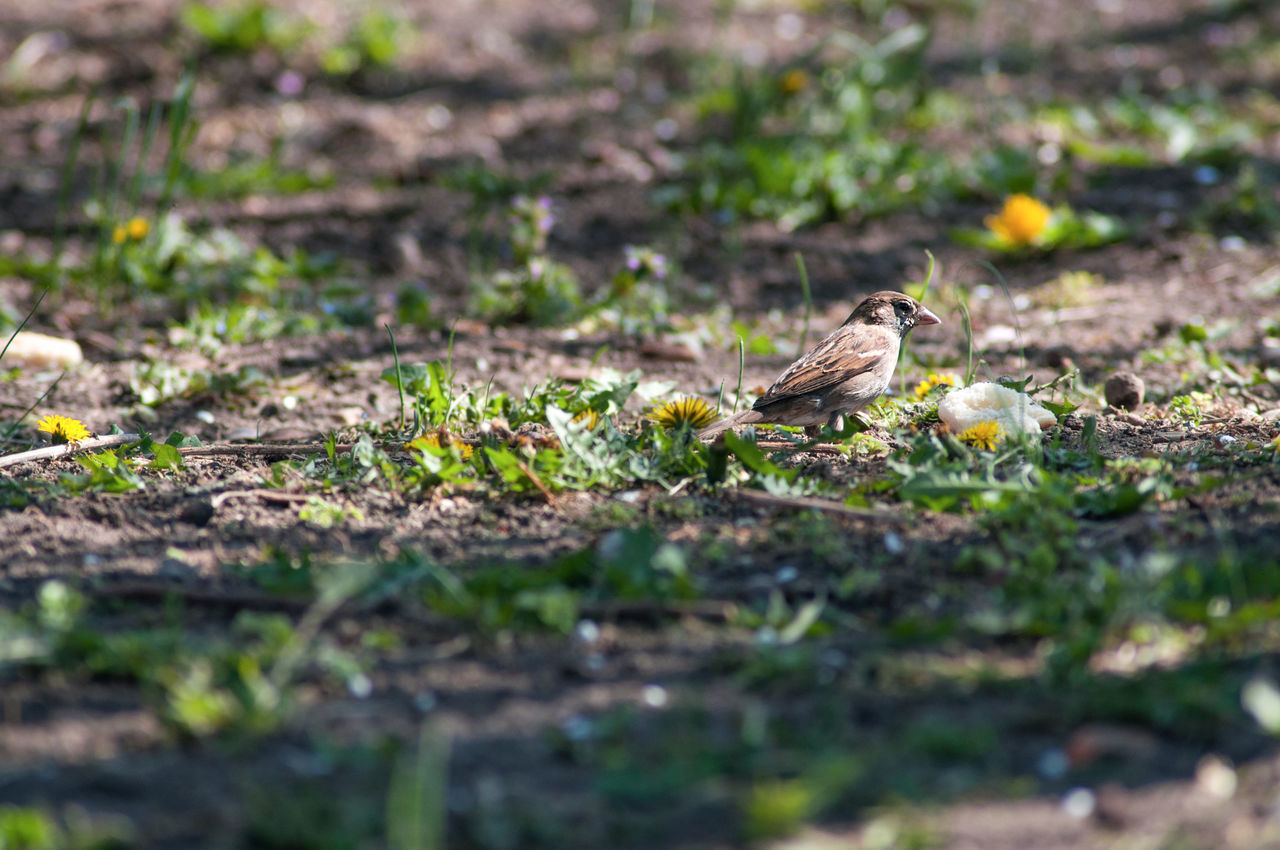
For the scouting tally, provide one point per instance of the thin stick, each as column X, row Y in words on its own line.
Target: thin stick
column 65, row 449
column 262, row 449
column 537, row 482
column 111, row 440
column 760, row 497
column 802, row 448
column 264, row 495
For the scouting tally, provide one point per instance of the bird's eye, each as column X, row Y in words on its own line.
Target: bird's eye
column 902, row 309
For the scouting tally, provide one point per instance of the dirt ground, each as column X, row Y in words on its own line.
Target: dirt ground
column 544, row 729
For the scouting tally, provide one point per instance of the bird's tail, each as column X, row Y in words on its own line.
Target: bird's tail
column 746, row 417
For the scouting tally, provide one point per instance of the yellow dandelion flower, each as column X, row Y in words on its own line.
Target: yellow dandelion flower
column 1021, row 220
column 793, row 81
column 120, row 234
column 421, row 443
column 589, row 416
column 138, row 228
column 63, row 429
column 688, row 412
column 934, row 380
column 984, row 435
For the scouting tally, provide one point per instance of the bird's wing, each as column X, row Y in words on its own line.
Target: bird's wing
column 830, row 362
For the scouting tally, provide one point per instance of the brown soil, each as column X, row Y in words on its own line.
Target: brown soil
column 500, row 72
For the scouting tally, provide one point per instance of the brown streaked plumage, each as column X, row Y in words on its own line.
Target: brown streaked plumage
column 841, row 374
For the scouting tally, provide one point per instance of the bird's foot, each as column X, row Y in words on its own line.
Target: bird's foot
column 839, row 428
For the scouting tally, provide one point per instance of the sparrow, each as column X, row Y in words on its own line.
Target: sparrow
column 840, row 375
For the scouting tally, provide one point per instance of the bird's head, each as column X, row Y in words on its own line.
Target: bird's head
column 893, row 310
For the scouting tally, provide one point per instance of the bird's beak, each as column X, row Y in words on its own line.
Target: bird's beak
column 926, row 317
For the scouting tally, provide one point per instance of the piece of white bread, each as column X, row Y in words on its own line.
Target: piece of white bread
column 987, row 402
column 30, row 350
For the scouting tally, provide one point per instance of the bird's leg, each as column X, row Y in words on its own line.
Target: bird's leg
column 814, row 432
column 854, row 424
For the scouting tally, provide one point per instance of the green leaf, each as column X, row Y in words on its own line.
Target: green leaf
column 414, row 378
column 1190, row 333
column 753, row 459
column 180, row 440
column 1019, row 386
column 556, row 607
column 1059, row 409
column 166, row 457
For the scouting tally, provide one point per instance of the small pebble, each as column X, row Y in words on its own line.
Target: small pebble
column 1125, row 390
column 360, row 686
column 1000, row 335
column 1216, row 778
column 587, row 631
column 655, row 696
column 766, row 636
column 1079, row 803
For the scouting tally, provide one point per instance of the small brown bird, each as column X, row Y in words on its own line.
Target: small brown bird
column 840, row 375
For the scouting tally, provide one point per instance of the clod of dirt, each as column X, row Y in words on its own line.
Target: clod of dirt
column 1124, row 390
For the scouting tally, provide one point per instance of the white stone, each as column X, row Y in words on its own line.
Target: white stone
column 33, row 351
